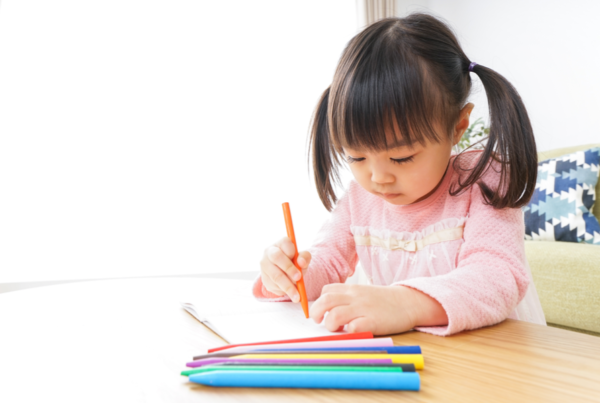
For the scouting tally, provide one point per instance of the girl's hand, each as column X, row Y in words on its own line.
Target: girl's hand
column 279, row 275
column 377, row 309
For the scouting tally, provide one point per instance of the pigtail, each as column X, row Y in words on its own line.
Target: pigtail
column 510, row 143
column 325, row 160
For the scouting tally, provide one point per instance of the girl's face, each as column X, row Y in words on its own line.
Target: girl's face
column 403, row 175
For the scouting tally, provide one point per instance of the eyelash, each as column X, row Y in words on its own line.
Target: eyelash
column 395, row 161
column 402, row 160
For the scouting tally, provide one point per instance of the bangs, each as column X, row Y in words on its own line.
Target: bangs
column 381, row 85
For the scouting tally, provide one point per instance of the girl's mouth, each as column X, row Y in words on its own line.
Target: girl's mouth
column 389, row 196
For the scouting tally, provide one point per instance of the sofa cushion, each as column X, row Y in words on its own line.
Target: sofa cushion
column 561, row 206
column 567, row 279
column 557, row 152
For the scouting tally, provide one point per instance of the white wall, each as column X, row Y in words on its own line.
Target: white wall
column 144, row 137
column 547, row 49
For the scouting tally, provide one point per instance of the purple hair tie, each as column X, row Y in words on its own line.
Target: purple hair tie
column 472, row 65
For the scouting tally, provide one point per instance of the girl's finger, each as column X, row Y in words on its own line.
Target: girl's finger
column 280, row 259
column 281, row 281
column 338, row 288
column 286, row 245
column 339, row 316
column 304, row 258
column 270, row 286
column 361, row 324
column 327, row 302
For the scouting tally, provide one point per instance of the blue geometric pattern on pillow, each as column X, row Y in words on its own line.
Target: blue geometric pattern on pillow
column 561, row 206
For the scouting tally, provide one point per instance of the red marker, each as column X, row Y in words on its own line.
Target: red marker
column 344, row 336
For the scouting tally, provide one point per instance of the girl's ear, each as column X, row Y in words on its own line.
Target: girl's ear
column 463, row 122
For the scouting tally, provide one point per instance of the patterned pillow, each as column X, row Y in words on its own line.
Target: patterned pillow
column 561, row 206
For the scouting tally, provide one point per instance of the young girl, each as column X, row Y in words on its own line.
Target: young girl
column 439, row 236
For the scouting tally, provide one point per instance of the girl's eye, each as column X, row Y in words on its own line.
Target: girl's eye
column 394, row 160
column 402, row 160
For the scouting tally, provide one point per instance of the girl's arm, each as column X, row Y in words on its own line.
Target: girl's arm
column 491, row 276
column 333, row 255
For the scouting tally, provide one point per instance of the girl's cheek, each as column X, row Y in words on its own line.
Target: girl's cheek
column 362, row 176
column 416, row 179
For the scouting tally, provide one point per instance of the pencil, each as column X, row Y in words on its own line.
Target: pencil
column 287, row 214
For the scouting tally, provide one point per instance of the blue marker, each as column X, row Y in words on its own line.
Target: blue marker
column 310, row 379
column 389, row 350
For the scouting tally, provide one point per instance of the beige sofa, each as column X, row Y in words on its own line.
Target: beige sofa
column 567, row 274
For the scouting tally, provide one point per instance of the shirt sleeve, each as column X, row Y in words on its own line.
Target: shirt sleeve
column 333, row 254
column 491, row 276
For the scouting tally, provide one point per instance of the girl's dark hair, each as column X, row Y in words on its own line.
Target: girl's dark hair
column 413, row 71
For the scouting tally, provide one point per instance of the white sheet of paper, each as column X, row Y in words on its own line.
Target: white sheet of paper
column 230, row 310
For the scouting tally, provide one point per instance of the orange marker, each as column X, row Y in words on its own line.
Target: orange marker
column 287, row 214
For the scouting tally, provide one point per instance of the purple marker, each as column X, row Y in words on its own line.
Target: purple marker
column 359, row 362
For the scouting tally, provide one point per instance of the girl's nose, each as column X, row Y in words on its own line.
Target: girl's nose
column 381, row 176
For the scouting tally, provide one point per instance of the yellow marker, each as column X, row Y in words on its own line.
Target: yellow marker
column 416, row 359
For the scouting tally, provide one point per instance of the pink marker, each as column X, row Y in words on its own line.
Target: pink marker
column 360, row 362
column 382, row 342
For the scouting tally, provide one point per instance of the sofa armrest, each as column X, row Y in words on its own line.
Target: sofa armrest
column 567, row 278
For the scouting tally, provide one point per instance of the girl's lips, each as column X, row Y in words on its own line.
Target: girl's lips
column 389, row 196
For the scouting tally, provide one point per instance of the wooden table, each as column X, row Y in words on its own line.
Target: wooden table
column 127, row 341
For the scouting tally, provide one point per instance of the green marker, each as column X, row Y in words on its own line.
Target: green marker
column 287, row 368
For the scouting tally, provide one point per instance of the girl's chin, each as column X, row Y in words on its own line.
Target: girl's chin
column 390, row 196
column 398, row 199
column 397, row 203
